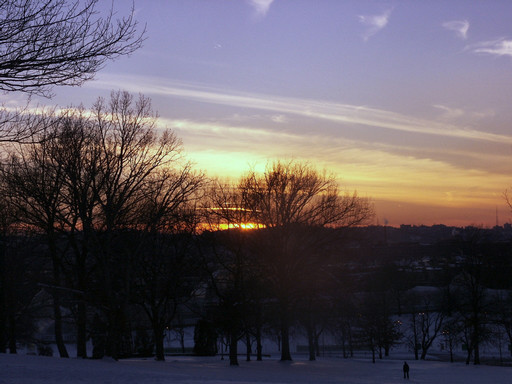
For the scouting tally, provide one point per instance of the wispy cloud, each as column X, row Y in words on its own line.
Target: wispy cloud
column 261, row 7
column 500, row 47
column 460, row 27
column 315, row 109
column 214, row 145
column 448, row 112
column 280, row 119
column 374, row 23
column 226, row 148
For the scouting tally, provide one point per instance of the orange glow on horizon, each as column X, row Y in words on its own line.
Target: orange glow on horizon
column 243, row 226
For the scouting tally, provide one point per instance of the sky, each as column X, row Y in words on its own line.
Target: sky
column 405, row 101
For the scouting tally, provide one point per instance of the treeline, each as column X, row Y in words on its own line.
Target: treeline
column 103, row 219
column 455, row 293
column 105, row 226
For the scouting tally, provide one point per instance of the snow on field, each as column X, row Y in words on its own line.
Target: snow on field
column 23, row 369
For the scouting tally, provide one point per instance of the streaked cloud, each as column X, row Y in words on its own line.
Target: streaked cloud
column 261, row 7
column 374, row 23
column 316, row 109
column 500, row 47
column 360, row 164
column 281, row 119
column 449, row 113
column 460, row 27
column 460, row 168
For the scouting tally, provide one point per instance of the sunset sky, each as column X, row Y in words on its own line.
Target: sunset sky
column 408, row 102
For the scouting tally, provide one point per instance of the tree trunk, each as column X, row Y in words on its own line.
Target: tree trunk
column 12, row 334
column 158, row 334
column 233, row 347
column 182, row 340
column 259, row 347
column 343, row 346
column 59, row 339
column 317, row 343
column 285, row 339
column 3, row 306
column 476, row 359
column 81, row 321
column 468, row 357
column 248, row 346
column 350, row 343
column 81, row 330
column 311, row 343
column 113, row 334
column 415, row 334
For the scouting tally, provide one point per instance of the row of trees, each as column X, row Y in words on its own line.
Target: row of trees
column 122, row 219
column 103, row 196
column 105, row 222
column 84, row 180
column 465, row 302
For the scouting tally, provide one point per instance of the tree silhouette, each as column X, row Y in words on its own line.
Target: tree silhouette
column 58, row 42
column 295, row 203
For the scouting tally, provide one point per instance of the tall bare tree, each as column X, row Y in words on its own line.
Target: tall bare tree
column 131, row 152
column 165, row 268
column 473, row 301
column 32, row 184
column 7, row 217
column 90, row 178
column 228, row 261
column 75, row 149
column 295, row 203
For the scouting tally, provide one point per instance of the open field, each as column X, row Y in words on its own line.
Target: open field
column 22, row 369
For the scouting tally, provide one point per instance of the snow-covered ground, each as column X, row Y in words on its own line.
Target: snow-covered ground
column 24, row 369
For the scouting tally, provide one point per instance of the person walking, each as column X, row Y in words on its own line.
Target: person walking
column 406, row 370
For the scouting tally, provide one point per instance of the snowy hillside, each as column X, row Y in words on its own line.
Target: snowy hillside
column 22, row 369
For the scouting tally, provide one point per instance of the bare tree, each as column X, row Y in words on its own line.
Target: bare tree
column 165, row 268
column 32, row 184
column 90, row 179
column 227, row 260
column 59, row 42
column 7, row 218
column 19, row 124
column 47, row 43
column 451, row 335
column 377, row 330
column 473, row 301
column 165, row 278
column 295, row 203
column 131, row 152
column 503, row 315
column 429, row 322
column 75, row 148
